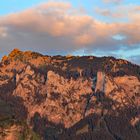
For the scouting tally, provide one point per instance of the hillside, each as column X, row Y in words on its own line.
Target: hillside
column 70, row 97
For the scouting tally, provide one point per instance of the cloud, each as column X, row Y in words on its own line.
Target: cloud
column 135, row 59
column 119, row 12
column 3, row 32
column 109, row 13
column 55, row 6
column 129, row 28
column 113, row 1
column 59, row 28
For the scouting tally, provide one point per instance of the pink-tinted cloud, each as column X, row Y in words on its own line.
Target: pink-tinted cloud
column 128, row 12
column 109, row 13
column 59, row 28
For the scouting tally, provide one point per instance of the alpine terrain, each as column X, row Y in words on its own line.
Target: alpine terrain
column 68, row 98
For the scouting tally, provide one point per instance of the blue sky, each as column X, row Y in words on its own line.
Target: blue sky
column 105, row 16
column 10, row 6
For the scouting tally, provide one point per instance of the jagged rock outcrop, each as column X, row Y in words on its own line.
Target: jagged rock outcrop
column 73, row 97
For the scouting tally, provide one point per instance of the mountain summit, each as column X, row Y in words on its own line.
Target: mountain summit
column 69, row 97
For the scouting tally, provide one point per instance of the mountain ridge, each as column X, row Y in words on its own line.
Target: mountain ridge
column 26, row 56
column 72, row 97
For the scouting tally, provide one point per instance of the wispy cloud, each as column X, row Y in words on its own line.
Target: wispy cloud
column 128, row 11
column 113, row 1
column 135, row 59
column 3, row 32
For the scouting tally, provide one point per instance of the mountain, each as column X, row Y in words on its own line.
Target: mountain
column 69, row 97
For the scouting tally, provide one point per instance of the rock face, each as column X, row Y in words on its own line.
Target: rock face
column 78, row 98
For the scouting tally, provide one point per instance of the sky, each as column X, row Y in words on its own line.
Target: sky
column 77, row 27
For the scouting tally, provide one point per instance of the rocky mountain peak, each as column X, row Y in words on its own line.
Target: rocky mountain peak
column 71, row 97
